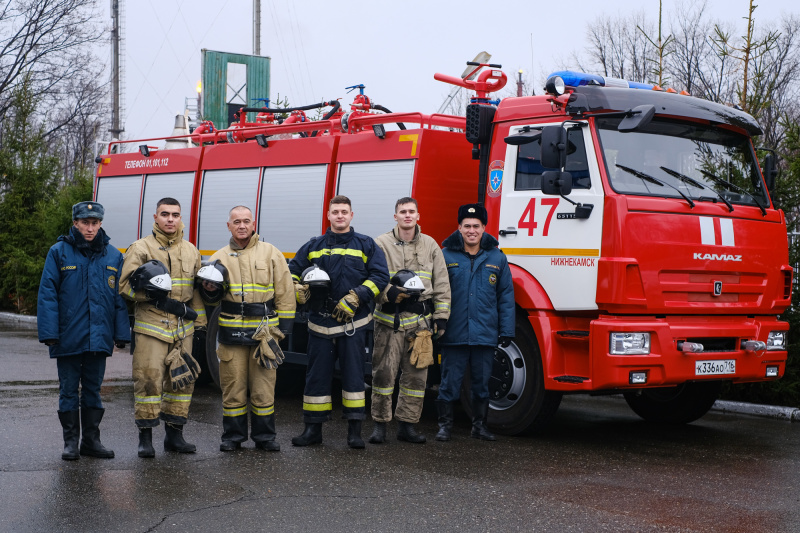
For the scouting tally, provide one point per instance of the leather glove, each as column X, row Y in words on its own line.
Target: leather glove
column 346, row 308
column 174, row 307
column 120, row 344
column 504, row 342
column 268, row 353
column 179, row 374
column 422, row 349
column 302, row 292
column 439, row 326
column 395, row 294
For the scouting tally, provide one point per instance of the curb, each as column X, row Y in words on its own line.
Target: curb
column 789, row 414
column 21, row 321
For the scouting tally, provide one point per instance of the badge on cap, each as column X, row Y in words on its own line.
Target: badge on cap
column 470, row 210
column 89, row 206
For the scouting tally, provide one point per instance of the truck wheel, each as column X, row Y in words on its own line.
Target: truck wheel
column 519, row 402
column 674, row 405
column 211, row 345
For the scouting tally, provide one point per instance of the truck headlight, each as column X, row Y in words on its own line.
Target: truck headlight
column 629, row 344
column 776, row 340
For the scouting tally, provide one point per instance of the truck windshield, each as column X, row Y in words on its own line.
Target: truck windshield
column 704, row 163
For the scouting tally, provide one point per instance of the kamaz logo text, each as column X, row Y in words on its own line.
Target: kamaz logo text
column 717, row 257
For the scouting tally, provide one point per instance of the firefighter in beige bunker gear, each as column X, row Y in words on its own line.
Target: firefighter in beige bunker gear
column 163, row 329
column 259, row 301
column 399, row 322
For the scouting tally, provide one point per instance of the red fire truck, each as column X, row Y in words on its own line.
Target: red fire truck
column 647, row 256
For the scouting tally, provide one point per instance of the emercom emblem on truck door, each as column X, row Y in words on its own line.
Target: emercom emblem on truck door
column 540, row 232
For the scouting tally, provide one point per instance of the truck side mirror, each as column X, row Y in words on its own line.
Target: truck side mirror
column 556, row 182
column 554, row 147
column 770, row 171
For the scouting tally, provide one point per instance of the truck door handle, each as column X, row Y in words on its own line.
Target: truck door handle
column 509, row 231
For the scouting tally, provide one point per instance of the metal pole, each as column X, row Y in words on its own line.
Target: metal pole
column 115, row 130
column 257, row 27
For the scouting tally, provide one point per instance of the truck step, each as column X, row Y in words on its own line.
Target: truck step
column 573, row 333
column 570, row 379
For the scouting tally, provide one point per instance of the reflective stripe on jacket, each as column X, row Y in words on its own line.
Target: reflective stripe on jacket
column 182, row 261
column 422, row 255
column 257, row 273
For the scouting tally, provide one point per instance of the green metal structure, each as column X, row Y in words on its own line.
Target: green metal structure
column 229, row 82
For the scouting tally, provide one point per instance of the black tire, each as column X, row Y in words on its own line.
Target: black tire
column 519, row 402
column 674, row 405
column 211, row 346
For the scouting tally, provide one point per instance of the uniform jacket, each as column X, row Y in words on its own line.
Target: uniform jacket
column 257, row 273
column 422, row 255
column 183, row 261
column 483, row 293
column 78, row 300
column 353, row 261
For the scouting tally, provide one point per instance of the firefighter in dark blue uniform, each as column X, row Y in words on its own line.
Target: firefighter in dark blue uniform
column 338, row 325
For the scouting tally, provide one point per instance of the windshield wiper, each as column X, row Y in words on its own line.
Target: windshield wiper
column 647, row 177
column 736, row 187
column 690, row 181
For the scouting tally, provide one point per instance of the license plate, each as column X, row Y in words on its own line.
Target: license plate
column 711, row 368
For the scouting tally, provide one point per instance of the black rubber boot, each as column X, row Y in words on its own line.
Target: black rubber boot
column 311, row 435
column 90, row 430
column 146, row 449
column 446, row 416
column 71, row 424
column 354, row 439
column 173, row 439
column 480, row 408
column 408, row 433
column 234, row 432
column 262, row 431
column 378, row 433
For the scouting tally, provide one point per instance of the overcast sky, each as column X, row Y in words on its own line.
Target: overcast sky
column 319, row 47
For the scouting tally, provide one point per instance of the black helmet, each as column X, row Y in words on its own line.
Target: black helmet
column 153, row 278
column 214, row 273
column 409, row 281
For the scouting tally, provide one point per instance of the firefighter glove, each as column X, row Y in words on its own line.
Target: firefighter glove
column 504, row 341
column 346, row 308
column 396, row 294
column 422, row 349
column 268, row 353
column 439, row 326
column 302, row 292
column 174, row 307
column 179, row 373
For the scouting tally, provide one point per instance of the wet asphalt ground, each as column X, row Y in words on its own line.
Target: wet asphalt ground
column 598, row 468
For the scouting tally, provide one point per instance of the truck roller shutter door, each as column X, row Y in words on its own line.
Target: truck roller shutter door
column 373, row 188
column 292, row 205
column 120, row 197
column 176, row 185
column 222, row 190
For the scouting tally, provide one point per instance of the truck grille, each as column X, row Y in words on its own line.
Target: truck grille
column 682, row 287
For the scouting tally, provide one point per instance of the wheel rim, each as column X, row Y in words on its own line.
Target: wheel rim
column 508, row 377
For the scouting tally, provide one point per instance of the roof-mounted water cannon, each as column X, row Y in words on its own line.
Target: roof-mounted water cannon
column 488, row 81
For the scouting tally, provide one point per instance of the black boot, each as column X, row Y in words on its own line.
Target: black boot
column 146, row 449
column 446, row 416
column 480, row 408
column 262, row 431
column 234, row 432
column 354, row 434
column 71, row 424
column 378, row 433
column 407, row 432
column 311, row 435
column 90, row 443
column 173, row 439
